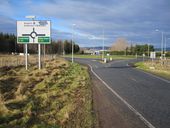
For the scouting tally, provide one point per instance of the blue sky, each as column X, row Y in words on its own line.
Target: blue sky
column 135, row 20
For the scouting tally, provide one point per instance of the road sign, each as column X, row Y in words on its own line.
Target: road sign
column 23, row 39
column 153, row 55
column 43, row 40
column 34, row 32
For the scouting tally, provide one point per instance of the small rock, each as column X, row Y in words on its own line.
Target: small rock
column 153, row 68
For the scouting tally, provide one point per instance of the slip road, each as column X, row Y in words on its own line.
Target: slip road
column 146, row 95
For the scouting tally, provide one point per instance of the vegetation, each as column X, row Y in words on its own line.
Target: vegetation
column 156, row 67
column 121, row 47
column 57, row 96
column 100, row 56
column 8, row 44
column 142, row 49
column 133, row 50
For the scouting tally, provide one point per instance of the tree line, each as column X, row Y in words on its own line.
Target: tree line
column 8, row 44
column 136, row 49
column 121, row 47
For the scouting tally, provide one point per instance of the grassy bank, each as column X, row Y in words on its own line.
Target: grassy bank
column 57, row 96
column 155, row 68
column 116, row 57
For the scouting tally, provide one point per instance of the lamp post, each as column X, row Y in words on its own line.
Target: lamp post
column 72, row 43
column 166, row 39
column 166, row 43
column 103, row 46
column 157, row 30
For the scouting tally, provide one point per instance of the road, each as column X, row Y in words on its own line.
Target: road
column 145, row 95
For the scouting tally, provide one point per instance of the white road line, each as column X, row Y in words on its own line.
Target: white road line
column 124, row 101
column 93, row 60
column 96, row 66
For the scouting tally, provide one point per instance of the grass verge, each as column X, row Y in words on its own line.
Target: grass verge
column 57, row 96
column 117, row 57
column 155, row 68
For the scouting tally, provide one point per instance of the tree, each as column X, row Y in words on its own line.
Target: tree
column 120, row 45
column 8, row 44
column 76, row 48
column 67, row 47
column 143, row 49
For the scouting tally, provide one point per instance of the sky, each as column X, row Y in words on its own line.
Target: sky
column 96, row 21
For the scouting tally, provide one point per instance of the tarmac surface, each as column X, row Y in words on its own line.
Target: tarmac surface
column 127, row 97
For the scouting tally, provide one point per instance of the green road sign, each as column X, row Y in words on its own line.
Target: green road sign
column 44, row 40
column 23, row 39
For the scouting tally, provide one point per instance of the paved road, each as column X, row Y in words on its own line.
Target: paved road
column 147, row 94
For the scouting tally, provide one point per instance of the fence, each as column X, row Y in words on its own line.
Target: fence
column 16, row 60
column 160, row 64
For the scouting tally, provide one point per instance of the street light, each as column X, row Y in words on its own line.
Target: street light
column 166, row 43
column 72, row 41
column 166, row 39
column 157, row 30
column 103, row 46
column 30, row 17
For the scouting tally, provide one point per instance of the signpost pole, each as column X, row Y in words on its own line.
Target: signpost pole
column 26, row 56
column 39, row 56
column 44, row 55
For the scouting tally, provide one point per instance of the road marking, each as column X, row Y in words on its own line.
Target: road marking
column 96, row 66
column 124, row 101
column 93, row 60
column 133, row 79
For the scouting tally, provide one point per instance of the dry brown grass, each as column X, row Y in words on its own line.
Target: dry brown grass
column 17, row 60
column 161, row 68
column 57, row 96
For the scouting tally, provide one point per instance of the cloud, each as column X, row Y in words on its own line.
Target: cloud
column 6, row 8
column 7, row 25
column 136, row 20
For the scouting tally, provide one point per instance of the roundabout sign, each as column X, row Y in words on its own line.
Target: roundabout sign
column 33, row 32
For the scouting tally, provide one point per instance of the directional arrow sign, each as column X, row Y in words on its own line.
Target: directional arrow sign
column 23, row 39
column 34, row 32
column 44, row 40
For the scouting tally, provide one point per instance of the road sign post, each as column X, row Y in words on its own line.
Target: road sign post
column 26, row 56
column 143, row 57
column 44, row 55
column 152, row 56
column 39, row 56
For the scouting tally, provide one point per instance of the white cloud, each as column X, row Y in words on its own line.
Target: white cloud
column 133, row 19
